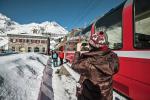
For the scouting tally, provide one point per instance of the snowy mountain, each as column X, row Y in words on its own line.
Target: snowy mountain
column 7, row 26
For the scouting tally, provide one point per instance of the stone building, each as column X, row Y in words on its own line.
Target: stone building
column 27, row 43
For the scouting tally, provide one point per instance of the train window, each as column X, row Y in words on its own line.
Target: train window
column 71, row 46
column 111, row 23
column 115, row 36
column 142, row 24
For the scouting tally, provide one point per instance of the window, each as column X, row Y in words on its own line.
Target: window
column 21, row 49
column 142, row 24
column 20, row 40
column 43, row 41
column 38, row 41
column 35, row 41
column 17, row 40
column 13, row 48
column 14, row 40
column 111, row 23
column 11, row 40
column 32, row 41
column 36, row 49
column 114, row 34
column 72, row 46
column 23, row 40
column 27, row 41
column 43, row 49
column 29, row 49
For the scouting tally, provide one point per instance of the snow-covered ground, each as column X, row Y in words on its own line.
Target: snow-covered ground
column 21, row 75
column 4, row 42
column 21, row 78
column 64, row 87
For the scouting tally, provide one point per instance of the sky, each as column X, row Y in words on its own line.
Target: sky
column 68, row 13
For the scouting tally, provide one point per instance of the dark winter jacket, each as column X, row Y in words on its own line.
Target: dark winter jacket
column 97, row 69
column 54, row 55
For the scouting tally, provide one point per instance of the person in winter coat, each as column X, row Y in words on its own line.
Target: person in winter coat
column 96, row 68
column 61, row 56
column 55, row 58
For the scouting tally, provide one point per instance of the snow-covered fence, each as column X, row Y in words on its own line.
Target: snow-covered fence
column 46, row 90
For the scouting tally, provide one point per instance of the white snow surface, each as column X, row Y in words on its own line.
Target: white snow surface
column 21, row 75
column 6, row 24
column 64, row 87
column 3, row 41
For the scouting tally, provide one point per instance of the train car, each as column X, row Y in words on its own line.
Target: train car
column 128, row 30
column 76, row 41
column 71, row 44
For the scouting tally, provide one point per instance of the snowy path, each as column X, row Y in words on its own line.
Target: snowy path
column 63, row 87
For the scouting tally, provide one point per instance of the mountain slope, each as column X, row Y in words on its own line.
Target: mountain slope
column 7, row 26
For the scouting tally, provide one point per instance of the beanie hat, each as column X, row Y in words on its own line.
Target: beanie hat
column 98, row 39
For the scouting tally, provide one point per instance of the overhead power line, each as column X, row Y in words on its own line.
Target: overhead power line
column 86, row 12
column 81, row 12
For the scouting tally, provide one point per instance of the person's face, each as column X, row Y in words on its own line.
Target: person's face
column 99, row 38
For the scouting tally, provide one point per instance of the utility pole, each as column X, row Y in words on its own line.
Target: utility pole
column 48, row 45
